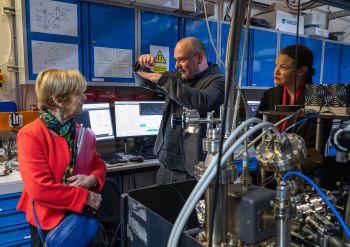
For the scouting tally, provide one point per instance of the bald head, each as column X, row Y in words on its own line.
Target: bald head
column 190, row 57
column 192, row 44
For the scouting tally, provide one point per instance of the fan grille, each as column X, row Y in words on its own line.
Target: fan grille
column 336, row 95
column 314, row 95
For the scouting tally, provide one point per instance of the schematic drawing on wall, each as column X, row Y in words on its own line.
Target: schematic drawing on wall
column 53, row 17
column 112, row 62
column 54, row 55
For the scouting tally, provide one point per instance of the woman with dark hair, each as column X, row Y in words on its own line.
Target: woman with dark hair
column 290, row 78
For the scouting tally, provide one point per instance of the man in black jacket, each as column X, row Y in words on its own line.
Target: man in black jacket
column 195, row 85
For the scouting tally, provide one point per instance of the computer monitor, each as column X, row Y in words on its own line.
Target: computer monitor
column 97, row 116
column 253, row 106
column 137, row 118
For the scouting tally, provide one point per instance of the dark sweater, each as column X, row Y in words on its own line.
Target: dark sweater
column 203, row 93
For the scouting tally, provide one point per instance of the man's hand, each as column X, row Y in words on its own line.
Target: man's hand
column 83, row 181
column 146, row 60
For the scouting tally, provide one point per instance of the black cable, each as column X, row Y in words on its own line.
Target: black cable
column 303, row 6
column 115, row 234
column 179, row 193
column 103, row 235
column 227, row 16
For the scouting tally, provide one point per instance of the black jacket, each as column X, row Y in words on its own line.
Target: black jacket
column 204, row 95
column 274, row 96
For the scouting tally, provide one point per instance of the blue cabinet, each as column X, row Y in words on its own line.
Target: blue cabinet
column 344, row 70
column 110, row 33
column 160, row 30
column 14, row 230
column 198, row 29
column 331, row 63
column 314, row 45
column 263, row 54
column 225, row 28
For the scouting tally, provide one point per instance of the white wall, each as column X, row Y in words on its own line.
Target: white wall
column 7, row 91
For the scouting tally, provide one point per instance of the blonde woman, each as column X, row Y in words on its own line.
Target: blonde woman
column 47, row 151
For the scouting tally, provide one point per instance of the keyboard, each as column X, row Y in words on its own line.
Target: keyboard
column 113, row 158
column 149, row 156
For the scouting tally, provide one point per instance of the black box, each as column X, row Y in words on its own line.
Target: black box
column 148, row 215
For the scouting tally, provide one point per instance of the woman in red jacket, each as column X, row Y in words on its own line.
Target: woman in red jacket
column 47, row 152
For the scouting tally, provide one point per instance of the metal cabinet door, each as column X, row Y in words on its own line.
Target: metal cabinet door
column 315, row 45
column 198, row 29
column 331, row 63
column 225, row 28
column 344, row 72
column 264, row 51
column 110, row 27
column 161, row 30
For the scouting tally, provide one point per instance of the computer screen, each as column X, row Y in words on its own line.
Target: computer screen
column 97, row 116
column 253, row 106
column 137, row 118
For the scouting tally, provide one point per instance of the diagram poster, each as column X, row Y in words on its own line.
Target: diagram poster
column 53, row 55
column 53, row 17
column 112, row 62
column 161, row 54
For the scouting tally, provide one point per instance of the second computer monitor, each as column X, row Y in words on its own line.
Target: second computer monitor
column 97, row 116
column 137, row 118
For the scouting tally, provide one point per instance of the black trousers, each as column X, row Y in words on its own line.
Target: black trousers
column 35, row 237
column 165, row 175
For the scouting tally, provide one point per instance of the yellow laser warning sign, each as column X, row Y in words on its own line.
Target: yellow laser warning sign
column 160, row 58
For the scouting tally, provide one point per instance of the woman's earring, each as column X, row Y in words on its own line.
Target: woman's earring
column 62, row 109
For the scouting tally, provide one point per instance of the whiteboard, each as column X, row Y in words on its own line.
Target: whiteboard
column 53, row 55
column 53, row 17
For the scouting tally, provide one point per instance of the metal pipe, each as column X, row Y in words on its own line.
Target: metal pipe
column 233, row 43
column 282, row 216
column 318, row 144
column 220, row 222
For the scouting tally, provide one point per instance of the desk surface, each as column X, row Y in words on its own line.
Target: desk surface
column 133, row 165
column 12, row 183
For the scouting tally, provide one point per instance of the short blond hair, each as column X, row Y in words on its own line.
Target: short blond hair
column 52, row 83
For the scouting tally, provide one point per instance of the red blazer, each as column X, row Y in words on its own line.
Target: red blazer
column 43, row 158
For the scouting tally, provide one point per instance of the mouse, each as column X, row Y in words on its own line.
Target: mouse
column 136, row 159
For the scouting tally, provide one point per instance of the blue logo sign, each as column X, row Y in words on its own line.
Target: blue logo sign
column 290, row 22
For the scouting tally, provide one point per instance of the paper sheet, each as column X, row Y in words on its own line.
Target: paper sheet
column 53, row 17
column 111, row 62
column 54, row 55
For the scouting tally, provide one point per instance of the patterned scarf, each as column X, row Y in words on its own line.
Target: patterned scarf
column 67, row 131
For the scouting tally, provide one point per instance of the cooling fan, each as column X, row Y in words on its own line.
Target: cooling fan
column 337, row 95
column 331, row 99
column 314, row 95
